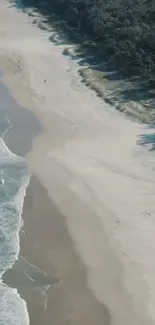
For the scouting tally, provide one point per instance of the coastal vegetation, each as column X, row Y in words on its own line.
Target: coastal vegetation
column 122, row 30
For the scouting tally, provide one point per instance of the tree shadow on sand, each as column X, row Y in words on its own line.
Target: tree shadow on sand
column 148, row 139
column 82, row 50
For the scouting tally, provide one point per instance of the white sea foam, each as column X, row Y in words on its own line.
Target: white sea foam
column 14, row 180
column 13, row 309
column 100, row 164
column 5, row 153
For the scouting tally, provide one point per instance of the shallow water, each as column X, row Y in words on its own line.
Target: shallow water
column 14, row 178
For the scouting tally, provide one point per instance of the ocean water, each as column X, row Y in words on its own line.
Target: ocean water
column 14, row 178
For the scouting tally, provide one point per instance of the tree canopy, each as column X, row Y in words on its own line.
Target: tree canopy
column 123, row 30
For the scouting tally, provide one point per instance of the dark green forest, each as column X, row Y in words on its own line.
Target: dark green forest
column 123, row 30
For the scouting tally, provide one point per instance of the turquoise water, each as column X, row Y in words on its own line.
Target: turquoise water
column 14, row 178
column 17, row 129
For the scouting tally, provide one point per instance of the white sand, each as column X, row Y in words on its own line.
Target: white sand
column 89, row 160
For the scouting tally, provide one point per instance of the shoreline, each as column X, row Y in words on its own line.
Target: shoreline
column 50, row 247
column 73, row 283
column 68, row 161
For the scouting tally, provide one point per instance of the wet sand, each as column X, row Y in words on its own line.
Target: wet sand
column 49, row 246
column 99, row 187
column 63, row 296
column 24, row 125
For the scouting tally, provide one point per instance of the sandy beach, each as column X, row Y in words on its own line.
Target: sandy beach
column 61, row 297
column 88, row 246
